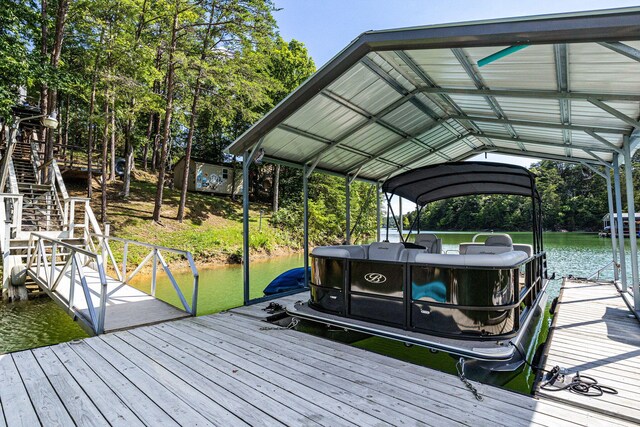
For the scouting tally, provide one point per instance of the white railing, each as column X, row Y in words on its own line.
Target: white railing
column 43, row 268
column 155, row 256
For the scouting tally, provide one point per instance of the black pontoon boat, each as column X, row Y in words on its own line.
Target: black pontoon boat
column 479, row 303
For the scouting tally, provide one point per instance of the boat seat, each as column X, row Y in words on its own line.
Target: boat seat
column 409, row 255
column 502, row 260
column 499, row 240
column 345, row 251
column 385, row 251
column 528, row 249
column 430, row 241
column 484, row 249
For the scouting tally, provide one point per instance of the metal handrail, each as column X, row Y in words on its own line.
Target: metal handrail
column 596, row 273
column 154, row 254
column 51, row 277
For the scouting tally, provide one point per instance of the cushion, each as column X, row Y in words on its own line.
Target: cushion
column 385, row 251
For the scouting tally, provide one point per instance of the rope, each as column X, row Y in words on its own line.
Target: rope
column 580, row 384
column 294, row 322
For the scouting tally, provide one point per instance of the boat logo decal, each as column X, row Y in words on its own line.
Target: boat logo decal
column 375, row 278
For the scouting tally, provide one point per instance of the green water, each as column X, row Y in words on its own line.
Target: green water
column 41, row 322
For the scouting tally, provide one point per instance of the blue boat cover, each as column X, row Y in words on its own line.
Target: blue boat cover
column 287, row 281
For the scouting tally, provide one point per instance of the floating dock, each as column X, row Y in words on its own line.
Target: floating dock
column 234, row 369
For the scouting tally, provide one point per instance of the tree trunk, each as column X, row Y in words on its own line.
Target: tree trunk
column 192, row 119
column 44, row 89
column 105, row 144
column 128, row 153
column 167, row 118
column 112, row 164
column 276, row 187
column 56, row 51
column 91, row 136
column 145, row 152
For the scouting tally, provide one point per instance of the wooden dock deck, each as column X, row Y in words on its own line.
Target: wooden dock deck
column 233, row 369
column 596, row 334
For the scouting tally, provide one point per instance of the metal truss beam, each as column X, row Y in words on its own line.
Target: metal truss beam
column 623, row 49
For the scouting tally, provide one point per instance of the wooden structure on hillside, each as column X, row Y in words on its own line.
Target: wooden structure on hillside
column 53, row 242
column 207, row 177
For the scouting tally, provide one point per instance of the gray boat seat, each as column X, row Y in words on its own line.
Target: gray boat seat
column 409, row 255
column 430, row 241
column 528, row 249
column 385, row 251
column 484, row 249
column 502, row 260
column 499, row 240
column 345, row 251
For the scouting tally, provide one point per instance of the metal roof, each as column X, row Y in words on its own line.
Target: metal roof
column 395, row 100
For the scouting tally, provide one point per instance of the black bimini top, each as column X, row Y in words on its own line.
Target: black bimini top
column 447, row 180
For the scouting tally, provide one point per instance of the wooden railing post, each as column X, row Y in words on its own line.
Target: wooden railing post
column 124, row 262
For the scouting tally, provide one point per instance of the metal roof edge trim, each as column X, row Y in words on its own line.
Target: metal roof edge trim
column 603, row 25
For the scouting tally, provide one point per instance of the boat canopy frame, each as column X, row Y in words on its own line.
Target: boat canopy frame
column 561, row 87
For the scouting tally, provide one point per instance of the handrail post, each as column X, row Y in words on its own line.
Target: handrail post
column 72, row 217
column 194, row 300
column 155, row 271
column 124, row 262
column 72, row 282
column 54, row 248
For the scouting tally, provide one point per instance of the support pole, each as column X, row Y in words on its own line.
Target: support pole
column 246, row 162
column 378, row 208
column 347, row 190
column 614, row 240
column 628, row 172
column 620, row 223
column 305, row 191
column 400, row 222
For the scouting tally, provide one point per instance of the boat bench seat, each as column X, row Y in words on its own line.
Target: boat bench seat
column 345, row 251
column 385, row 251
column 504, row 260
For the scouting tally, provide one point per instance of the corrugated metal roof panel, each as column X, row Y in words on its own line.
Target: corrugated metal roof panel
column 325, row 118
column 534, row 62
column 286, row 145
column 443, row 67
column 594, row 68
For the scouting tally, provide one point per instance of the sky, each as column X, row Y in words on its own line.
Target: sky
column 328, row 26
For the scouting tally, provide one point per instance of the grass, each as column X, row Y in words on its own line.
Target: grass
column 211, row 230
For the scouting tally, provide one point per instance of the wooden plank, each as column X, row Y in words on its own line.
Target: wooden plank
column 539, row 411
column 594, row 334
column 153, row 386
column 246, row 383
column 46, row 402
column 106, row 400
column 144, row 408
column 430, row 399
column 363, row 394
column 330, row 398
column 210, row 400
column 15, row 401
column 82, row 409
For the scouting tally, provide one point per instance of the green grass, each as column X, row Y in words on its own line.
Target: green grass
column 211, row 230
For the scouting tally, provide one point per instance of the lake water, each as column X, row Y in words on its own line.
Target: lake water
column 41, row 322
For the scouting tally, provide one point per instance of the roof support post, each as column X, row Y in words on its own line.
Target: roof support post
column 401, row 223
column 347, row 190
column 628, row 173
column 305, row 221
column 246, row 163
column 620, row 223
column 614, row 252
column 378, row 209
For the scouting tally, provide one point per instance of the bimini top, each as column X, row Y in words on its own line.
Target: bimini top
column 559, row 87
column 443, row 181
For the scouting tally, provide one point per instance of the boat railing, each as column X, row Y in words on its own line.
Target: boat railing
column 596, row 274
column 154, row 254
column 45, row 255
